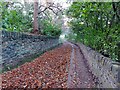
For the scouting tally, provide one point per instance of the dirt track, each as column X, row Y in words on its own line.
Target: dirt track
column 79, row 73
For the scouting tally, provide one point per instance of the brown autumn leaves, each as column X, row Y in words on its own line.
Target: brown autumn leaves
column 47, row 71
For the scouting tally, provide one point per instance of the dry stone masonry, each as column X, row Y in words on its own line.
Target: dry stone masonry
column 17, row 46
column 106, row 71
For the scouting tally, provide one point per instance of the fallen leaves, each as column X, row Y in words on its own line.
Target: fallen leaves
column 48, row 70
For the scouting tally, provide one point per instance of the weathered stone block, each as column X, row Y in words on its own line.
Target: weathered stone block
column 102, row 67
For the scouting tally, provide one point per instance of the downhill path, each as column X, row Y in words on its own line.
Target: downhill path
column 79, row 73
column 63, row 67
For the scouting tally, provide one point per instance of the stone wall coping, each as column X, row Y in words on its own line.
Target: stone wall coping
column 28, row 34
column 105, row 69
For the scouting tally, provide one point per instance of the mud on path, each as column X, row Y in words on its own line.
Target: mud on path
column 63, row 67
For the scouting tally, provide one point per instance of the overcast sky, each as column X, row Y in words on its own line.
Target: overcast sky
column 62, row 2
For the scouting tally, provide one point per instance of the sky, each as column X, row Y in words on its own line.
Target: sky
column 63, row 2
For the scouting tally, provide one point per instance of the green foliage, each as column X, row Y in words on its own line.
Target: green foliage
column 51, row 29
column 97, row 25
column 13, row 19
column 19, row 18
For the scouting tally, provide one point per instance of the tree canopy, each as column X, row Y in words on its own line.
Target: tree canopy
column 96, row 24
column 30, row 17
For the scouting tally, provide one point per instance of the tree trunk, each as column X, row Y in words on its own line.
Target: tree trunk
column 35, row 23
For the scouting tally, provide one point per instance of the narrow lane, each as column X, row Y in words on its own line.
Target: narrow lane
column 62, row 67
column 79, row 75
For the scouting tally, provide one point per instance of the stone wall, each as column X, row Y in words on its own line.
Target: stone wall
column 17, row 46
column 106, row 71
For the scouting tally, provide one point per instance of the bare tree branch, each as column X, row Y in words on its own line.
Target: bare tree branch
column 52, row 7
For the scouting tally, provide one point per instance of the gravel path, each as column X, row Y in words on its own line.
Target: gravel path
column 63, row 67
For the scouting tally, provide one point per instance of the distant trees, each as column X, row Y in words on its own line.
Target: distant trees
column 49, row 17
column 42, row 12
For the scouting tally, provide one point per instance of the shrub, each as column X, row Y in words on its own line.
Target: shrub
column 50, row 29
